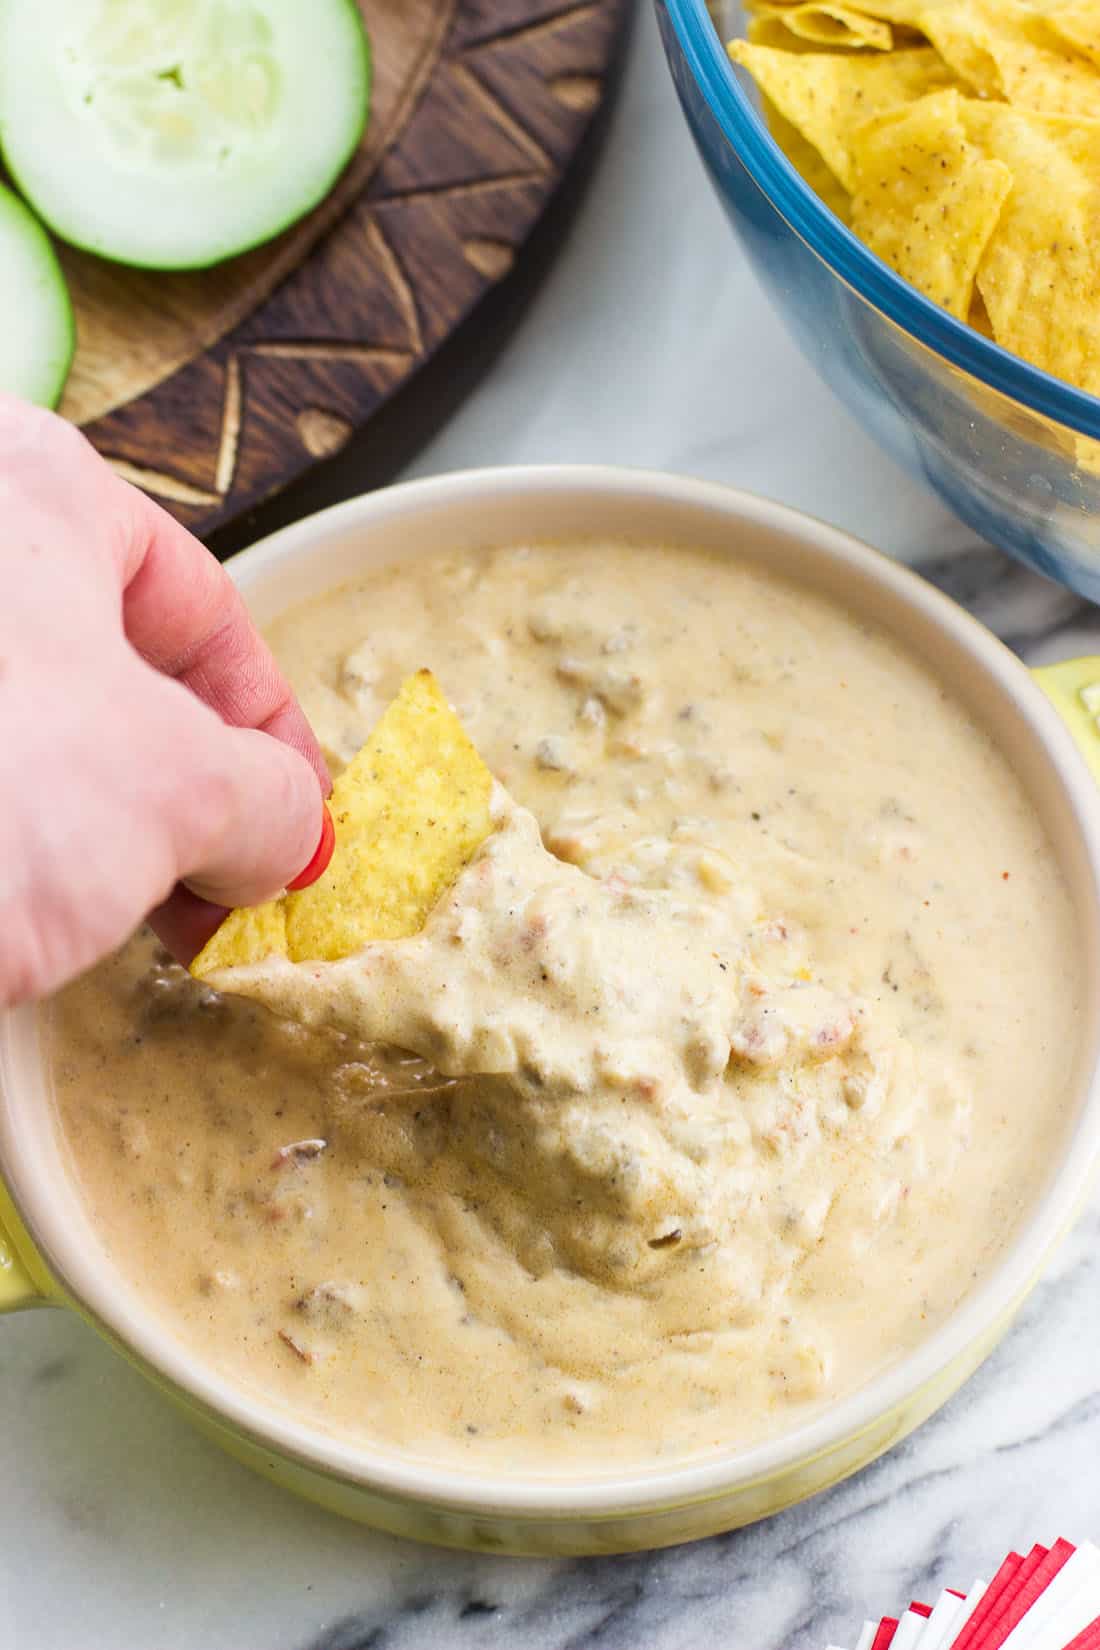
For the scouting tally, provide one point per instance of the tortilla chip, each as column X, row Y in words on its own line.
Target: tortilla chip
column 246, row 935
column 410, row 810
column 898, row 13
column 966, row 43
column 1062, row 24
column 1076, row 23
column 806, row 160
column 1040, row 273
column 988, row 203
column 926, row 200
column 979, row 315
column 772, row 31
column 827, row 96
column 766, row 27
column 1005, row 50
column 828, row 25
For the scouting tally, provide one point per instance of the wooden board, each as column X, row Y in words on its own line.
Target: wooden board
column 214, row 389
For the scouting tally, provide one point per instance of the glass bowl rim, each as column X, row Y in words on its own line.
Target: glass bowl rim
column 860, row 269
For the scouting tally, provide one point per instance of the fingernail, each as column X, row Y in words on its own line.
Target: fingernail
column 318, row 865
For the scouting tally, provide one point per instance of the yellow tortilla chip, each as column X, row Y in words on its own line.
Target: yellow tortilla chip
column 826, row 96
column 1076, row 23
column 989, row 201
column 1006, row 50
column 1039, row 276
column 827, row 25
column 766, row 27
column 989, row 42
column 806, row 160
column 925, row 199
column 979, row 315
column 772, row 31
column 966, row 43
column 410, row 810
column 247, row 935
column 898, row 13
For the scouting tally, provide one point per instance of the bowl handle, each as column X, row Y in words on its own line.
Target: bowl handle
column 17, row 1288
column 1073, row 688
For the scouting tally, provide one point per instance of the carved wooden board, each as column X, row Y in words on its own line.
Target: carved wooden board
column 213, row 389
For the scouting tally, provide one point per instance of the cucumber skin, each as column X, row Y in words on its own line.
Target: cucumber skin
column 238, row 249
column 70, row 344
column 11, row 202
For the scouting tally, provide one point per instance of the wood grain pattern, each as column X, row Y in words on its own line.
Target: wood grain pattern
column 213, row 389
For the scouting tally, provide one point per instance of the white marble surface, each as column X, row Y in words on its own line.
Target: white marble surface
column 122, row 1530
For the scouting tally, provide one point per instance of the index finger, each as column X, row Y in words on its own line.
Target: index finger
column 186, row 617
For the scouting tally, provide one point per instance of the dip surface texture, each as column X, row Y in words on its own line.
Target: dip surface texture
column 665, row 1141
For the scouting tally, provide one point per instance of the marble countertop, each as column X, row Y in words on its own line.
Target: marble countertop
column 121, row 1529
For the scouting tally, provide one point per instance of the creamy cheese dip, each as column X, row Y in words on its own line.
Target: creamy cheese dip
column 646, row 1146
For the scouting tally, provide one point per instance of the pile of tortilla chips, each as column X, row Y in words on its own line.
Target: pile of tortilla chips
column 960, row 139
column 410, row 810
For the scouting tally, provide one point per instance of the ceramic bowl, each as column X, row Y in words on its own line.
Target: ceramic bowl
column 1014, row 452
column 50, row 1254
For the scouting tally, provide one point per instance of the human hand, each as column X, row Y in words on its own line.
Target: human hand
column 152, row 756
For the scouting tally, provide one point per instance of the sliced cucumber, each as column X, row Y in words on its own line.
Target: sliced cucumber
column 175, row 133
column 37, row 335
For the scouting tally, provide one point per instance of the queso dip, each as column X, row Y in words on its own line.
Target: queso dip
column 649, row 1148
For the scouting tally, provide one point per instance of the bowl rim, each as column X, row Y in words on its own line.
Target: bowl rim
column 630, row 1491
column 846, row 255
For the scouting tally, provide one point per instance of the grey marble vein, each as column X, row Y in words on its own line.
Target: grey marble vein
column 120, row 1529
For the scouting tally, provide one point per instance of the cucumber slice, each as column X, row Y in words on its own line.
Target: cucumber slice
column 37, row 339
column 175, row 133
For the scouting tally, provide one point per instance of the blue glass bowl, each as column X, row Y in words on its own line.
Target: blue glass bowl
column 1014, row 452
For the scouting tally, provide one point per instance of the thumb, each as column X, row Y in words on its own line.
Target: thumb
column 255, row 821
